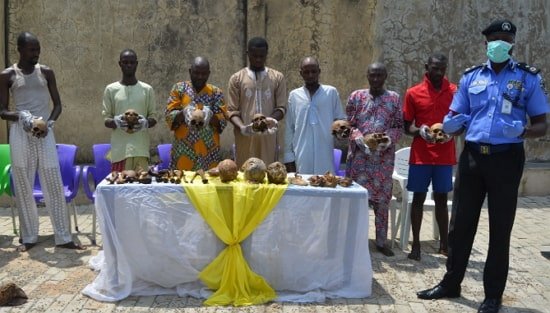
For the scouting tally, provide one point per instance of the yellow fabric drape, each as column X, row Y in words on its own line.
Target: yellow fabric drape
column 233, row 211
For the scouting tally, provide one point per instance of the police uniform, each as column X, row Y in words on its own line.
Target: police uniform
column 491, row 164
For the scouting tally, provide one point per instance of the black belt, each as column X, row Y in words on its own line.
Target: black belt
column 485, row 148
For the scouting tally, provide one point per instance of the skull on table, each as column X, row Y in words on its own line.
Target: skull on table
column 341, row 129
column 254, row 170
column 276, row 173
column 228, row 170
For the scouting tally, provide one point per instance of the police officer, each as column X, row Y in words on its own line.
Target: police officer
column 491, row 105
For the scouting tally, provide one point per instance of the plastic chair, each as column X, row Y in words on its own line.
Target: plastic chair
column 97, row 172
column 164, row 151
column 403, row 221
column 5, row 186
column 337, row 160
column 70, row 175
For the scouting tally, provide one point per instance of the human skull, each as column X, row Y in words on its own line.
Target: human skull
column 259, row 123
column 131, row 118
column 341, row 129
column 39, row 127
column 254, row 170
column 371, row 140
column 197, row 118
column 437, row 132
column 276, row 173
column 228, row 170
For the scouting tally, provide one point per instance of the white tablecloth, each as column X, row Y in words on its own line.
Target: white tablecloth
column 313, row 245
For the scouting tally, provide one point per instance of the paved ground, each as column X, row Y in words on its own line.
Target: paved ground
column 53, row 278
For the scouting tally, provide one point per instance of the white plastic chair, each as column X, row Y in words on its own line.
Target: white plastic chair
column 400, row 174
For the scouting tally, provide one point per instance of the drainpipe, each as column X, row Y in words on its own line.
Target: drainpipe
column 6, row 58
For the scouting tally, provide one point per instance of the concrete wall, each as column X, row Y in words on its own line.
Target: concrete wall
column 81, row 41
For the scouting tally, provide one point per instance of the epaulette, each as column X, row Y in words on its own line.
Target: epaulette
column 531, row 69
column 475, row 67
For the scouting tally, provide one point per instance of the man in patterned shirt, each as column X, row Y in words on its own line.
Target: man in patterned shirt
column 370, row 111
column 196, row 147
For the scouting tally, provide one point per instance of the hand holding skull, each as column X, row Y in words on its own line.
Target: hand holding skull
column 438, row 135
column 39, row 128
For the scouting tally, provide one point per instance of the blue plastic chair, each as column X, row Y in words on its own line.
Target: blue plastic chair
column 97, row 172
column 164, row 151
column 337, row 159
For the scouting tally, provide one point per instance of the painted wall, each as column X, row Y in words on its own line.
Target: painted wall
column 81, row 41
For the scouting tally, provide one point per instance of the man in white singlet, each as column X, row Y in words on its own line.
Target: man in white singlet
column 32, row 85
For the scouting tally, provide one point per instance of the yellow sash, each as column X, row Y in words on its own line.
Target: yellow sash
column 233, row 211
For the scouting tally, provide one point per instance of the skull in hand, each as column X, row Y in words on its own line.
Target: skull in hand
column 341, row 129
column 259, row 123
column 437, row 133
column 131, row 118
column 39, row 127
column 197, row 118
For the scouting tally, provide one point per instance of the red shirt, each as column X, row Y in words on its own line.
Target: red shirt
column 425, row 105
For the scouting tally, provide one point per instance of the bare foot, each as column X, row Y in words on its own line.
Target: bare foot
column 25, row 247
column 385, row 250
column 443, row 251
column 415, row 253
column 71, row 245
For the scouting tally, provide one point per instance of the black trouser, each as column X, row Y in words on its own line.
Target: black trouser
column 496, row 175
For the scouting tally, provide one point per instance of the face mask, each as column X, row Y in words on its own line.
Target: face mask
column 498, row 50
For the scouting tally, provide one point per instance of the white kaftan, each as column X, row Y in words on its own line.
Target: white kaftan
column 308, row 137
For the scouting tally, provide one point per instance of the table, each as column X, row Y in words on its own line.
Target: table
column 313, row 245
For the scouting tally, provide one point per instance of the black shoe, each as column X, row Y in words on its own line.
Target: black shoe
column 490, row 305
column 385, row 251
column 438, row 292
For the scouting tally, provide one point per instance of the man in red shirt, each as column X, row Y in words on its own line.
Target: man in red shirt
column 431, row 160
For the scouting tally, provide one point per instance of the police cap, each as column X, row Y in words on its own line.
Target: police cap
column 500, row 26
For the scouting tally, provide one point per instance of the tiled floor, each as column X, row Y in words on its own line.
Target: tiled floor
column 53, row 278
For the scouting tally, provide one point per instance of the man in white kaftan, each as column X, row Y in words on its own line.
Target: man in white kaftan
column 311, row 110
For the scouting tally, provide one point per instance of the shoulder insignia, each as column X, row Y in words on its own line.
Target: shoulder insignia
column 528, row 68
column 469, row 69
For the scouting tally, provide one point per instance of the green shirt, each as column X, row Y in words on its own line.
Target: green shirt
column 118, row 98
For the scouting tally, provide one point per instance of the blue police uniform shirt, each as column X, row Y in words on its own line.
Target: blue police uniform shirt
column 486, row 97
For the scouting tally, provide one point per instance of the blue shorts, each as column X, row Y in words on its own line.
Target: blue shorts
column 420, row 176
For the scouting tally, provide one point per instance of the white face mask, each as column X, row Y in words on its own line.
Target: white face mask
column 498, row 51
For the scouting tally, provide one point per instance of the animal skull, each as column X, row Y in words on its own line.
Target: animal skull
column 259, row 123
column 341, row 129
column 197, row 118
column 39, row 127
column 276, row 173
column 437, row 132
